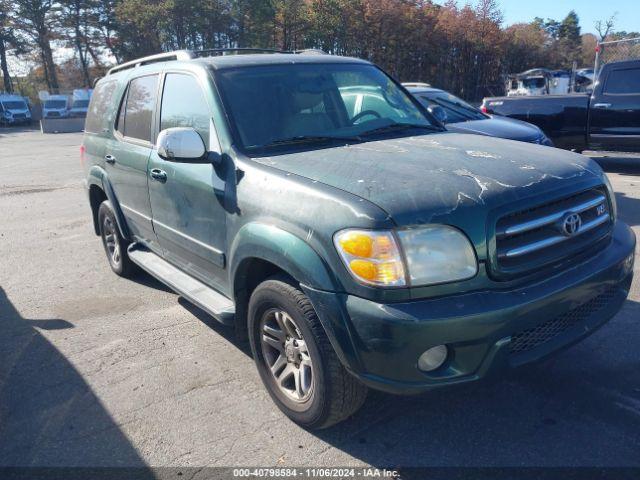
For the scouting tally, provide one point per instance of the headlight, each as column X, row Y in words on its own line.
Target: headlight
column 612, row 196
column 434, row 254
column 372, row 257
column 437, row 254
column 7, row 114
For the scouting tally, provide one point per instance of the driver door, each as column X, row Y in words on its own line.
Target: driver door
column 187, row 199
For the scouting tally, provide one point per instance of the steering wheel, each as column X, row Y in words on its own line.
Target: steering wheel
column 364, row 113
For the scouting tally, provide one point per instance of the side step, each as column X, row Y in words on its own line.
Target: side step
column 212, row 302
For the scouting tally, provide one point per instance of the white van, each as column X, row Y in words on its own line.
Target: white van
column 55, row 106
column 80, row 103
column 14, row 110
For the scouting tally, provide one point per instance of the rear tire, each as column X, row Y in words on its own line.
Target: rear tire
column 114, row 245
column 296, row 362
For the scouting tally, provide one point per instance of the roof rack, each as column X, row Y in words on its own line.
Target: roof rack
column 159, row 57
column 210, row 52
column 190, row 55
column 310, row 51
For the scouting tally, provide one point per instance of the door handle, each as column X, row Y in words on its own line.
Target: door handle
column 159, row 175
column 109, row 159
column 601, row 105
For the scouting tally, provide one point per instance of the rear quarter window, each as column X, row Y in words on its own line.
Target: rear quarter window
column 99, row 105
column 623, row 82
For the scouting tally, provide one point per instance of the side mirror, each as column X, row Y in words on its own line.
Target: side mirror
column 181, row 144
column 438, row 112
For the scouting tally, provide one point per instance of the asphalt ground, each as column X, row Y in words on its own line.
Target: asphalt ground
column 96, row 370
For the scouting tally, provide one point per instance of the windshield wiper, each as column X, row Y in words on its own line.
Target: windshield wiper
column 401, row 126
column 298, row 139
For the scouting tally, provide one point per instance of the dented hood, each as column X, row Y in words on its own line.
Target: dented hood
column 428, row 178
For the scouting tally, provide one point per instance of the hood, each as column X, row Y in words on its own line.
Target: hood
column 441, row 178
column 502, row 127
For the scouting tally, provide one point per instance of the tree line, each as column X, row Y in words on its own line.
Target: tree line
column 463, row 48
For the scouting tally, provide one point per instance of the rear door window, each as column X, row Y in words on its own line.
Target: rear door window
column 138, row 112
column 623, row 82
column 184, row 105
column 99, row 105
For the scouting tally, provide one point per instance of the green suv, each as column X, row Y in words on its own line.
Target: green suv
column 355, row 250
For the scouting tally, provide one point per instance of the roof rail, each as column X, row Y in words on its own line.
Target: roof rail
column 190, row 54
column 159, row 57
column 210, row 52
column 310, row 51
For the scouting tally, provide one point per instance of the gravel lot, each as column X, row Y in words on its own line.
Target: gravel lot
column 96, row 370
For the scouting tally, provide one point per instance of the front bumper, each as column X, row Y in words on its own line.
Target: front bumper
column 486, row 331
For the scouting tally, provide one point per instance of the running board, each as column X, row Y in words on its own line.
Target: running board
column 209, row 300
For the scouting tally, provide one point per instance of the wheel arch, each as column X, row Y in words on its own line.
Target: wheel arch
column 100, row 189
column 261, row 251
column 270, row 247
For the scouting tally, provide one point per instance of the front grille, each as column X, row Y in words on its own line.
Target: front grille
column 551, row 232
column 533, row 337
column 53, row 114
column 19, row 115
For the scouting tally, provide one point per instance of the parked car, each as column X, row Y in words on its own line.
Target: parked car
column 56, row 106
column 608, row 119
column 459, row 116
column 368, row 250
column 14, row 110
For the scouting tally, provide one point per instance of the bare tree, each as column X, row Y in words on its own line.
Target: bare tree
column 605, row 27
column 76, row 19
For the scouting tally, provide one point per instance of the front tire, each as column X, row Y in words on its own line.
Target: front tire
column 114, row 245
column 295, row 359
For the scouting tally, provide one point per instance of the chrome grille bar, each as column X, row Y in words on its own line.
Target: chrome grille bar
column 547, row 242
column 552, row 218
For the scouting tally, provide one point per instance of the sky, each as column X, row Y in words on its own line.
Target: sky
column 589, row 11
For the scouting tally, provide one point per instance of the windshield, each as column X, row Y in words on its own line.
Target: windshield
column 14, row 105
column 457, row 110
column 55, row 104
column 81, row 104
column 537, row 82
column 276, row 105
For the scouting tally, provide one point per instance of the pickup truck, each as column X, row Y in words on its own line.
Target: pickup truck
column 608, row 119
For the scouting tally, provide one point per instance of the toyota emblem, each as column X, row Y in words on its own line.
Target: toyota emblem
column 571, row 224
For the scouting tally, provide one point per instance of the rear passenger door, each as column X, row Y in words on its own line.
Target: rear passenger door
column 127, row 155
column 188, row 202
column 615, row 110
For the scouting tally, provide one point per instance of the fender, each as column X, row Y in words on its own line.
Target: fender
column 98, row 176
column 284, row 249
column 305, row 265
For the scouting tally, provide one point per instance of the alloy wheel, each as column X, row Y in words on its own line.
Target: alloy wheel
column 286, row 355
column 111, row 240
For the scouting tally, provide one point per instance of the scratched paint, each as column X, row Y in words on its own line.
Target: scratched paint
column 421, row 179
